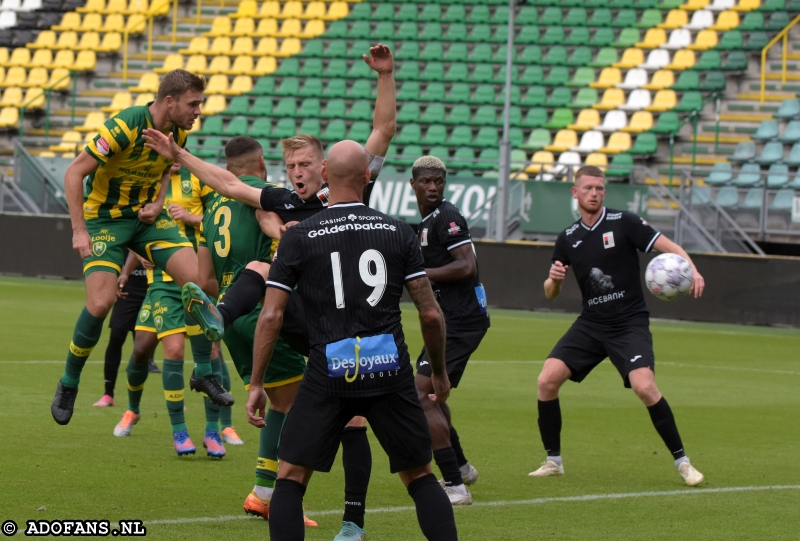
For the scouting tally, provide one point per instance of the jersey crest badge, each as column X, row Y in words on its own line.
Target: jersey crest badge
column 159, row 321
column 144, row 315
column 608, row 240
column 98, row 248
column 322, row 195
column 454, row 229
column 102, row 146
column 424, row 240
column 186, row 186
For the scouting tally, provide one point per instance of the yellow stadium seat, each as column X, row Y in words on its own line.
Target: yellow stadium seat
column 661, row 79
column 160, row 7
column 244, row 27
column 683, row 59
column 92, row 122
column 69, row 142
column 69, row 40
column 597, row 159
column 19, row 57
column 543, row 161
column 172, row 62
column 726, row 20
column 12, row 97
column 86, row 61
column 269, row 10
column 41, row 58
column 46, row 154
column 89, row 41
column 664, row 100
column 114, row 23
column 267, row 28
column 242, row 45
column 2, row 75
column 64, row 59
column 147, row 83
column 292, row 10
column 336, row 11
column 92, row 22
column 216, row 84
column 69, row 155
column 219, row 64
column 291, row 28
column 112, row 42
column 144, row 98
column 45, row 40
column 314, row 10
column 15, row 77
column 265, row 66
column 631, row 58
column 240, row 85
column 37, row 77
column 3, row 56
column 220, row 27
column 136, row 23
column 266, row 47
column 114, row 6
column 618, row 142
column 221, row 45
column 653, row 39
column 198, row 44
column 747, row 5
column 213, row 105
column 247, row 8
column 705, row 39
column 313, row 29
column 640, row 121
column 242, row 65
column 92, row 6
column 608, row 77
column 59, row 79
column 138, row 6
column 120, row 101
column 694, row 5
column 197, row 63
column 197, row 124
column 70, row 21
column 588, row 119
column 676, row 18
column 563, row 141
column 34, row 98
column 289, row 47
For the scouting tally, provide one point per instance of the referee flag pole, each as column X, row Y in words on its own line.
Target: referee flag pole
column 501, row 200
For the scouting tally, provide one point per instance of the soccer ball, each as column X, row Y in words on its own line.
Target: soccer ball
column 669, row 277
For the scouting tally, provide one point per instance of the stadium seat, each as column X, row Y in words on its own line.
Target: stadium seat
column 687, row 80
column 612, row 98
column 460, row 136
column 559, row 97
column 560, row 119
column 92, row 122
column 771, row 153
column 767, row 131
column 675, row 18
column 654, row 38
column 621, row 166
column 640, row 121
column 720, row 174
column 792, row 132
column 591, row 141
column 120, row 101
column 749, row 175
column 586, row 97
column 732, row 39
column 618, row 142
column 649, row 18
column 705, row 39
column 656, row 59
column 613, row 121
column 602, row 37
column 727, row 197
column 541, row 162
column 535, row 95
column 605, row 57
column 637, row 100
column 646, row 144
column 726, row 20
column 714, row 81
column 587, row 119
column 690, row 101
column 744, row 152
column 720, row 5
column 664, row 100
column 683, row 59
column 777, row 176
column 566, row 161
column 661, row 79
column 747, row 5
column 735, row 61
column 147, row 83
column 631, row 58
column 701, row 19
column 535, row 117
column 597, row 159
column 788, row 109
column 778, row 21
column 634, row 78
column 69, row 142
column 609, row 77
column 668, row 123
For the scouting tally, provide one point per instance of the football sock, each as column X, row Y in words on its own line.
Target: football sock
column 212, row 410
column 557, row 459
column 113, row 358
column 242, row 297
column 267, row 464
column 286, row 511
column 448, row 465
column 455, row 443
column 357, row 462
column 434, row 510
column 137, row 375
column 664, row 421
column 85, row 336
column 550, row 426
column 172, row 377
column 201, row 347
column 225, row 418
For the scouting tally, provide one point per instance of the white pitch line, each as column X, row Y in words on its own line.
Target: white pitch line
column 737, row 368
column 501, row 503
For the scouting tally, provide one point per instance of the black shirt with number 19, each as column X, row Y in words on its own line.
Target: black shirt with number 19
column 350, row 264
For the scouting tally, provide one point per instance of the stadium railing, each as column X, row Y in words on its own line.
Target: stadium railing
column 782, row 35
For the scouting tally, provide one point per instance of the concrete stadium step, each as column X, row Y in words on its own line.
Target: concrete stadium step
column 699, row 160
column 767, row 96
column 729, row 139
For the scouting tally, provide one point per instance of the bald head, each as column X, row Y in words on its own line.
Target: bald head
column 347, row 166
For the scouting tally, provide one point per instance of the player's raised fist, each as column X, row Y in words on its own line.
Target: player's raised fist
column 163, row 144
column 380, row 59
column 558, row 271
column 149, row 213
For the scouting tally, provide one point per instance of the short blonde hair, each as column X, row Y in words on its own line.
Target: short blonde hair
column 428, row 163
column 301, row 141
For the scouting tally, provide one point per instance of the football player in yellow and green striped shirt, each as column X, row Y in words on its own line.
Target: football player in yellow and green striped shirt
column 121, row 209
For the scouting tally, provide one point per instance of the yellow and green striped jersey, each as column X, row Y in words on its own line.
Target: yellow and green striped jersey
column 186, row 190
column 129, row 173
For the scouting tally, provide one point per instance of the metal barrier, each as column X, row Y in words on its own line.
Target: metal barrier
column 44, row 192
column 784, row 35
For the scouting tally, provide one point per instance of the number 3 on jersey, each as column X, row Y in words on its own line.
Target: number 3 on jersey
column 376, row 280
column 223, row 246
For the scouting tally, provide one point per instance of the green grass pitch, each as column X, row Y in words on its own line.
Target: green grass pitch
column 734, row 391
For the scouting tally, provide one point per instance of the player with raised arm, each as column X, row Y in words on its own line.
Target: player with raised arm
column 452, row 268
column 349, row 264
column 602, row 247
column 121, row 210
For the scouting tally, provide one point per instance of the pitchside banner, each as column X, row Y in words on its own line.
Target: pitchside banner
column 545, row 207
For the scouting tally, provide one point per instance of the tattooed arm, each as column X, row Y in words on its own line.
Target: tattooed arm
column 433, row 333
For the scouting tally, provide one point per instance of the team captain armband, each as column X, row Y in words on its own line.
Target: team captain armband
column 354, row 358
column 375, row 165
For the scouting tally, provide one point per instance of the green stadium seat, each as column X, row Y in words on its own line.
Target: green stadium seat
column 771, row 153
column 360, row 110
column 670, row 4
column 456, row 32
column 625, row 18
column 727, row 197
column 552, row 16
column 586, row 97
column 478, row 14
column 792, row 132
column 312, row 49
column 456, row 13
column 749, row 175
column 434, row 92
column 561, row 119
column 406, row 31
column 210, row 149
column 528, row 15
column 335, row 108
column 668, row 123
column 720, row 174
column 408, row 50
column 407, row 12
column 687, row 80
column 264, row 86
column 285, row 107
column 605, row 57
column 337, row 29
column 500, row 34
column 311, row 126
column 285, row 127
column 290, row 86
column 484, row 93
column 714, row 81
column 514, row 116
column 363, row 12
column 537, row 140
column 359, row 70
column 460, row 136
column 409, row 91
column 211, row 126
column 500, row 78
column 410, row 154
column 479, row 33
column 783, row 202
column 311, row 87
column 408, row 134
column 752, row 21
column 436, row 134
column 431, row 31
column 690, row 101
column 552, row 35
column 239, row 105
column 535, row 95
column 767, row 131
column 500, row 56
column 730, row 40
column 312, row 67
column 483, row 73
column 337, row 48
column 709, row 60
column 409, row 112
column 646, row 144
column 531, row 54
column 486, row 137
column 457, row 52
column 335, row 131
column 576, row 16
column 362, row 30
column 482, row 52
column 361, row 89
column 628, row 37
column 262, row 106
column 560, row 97
column 581, row 56
column 602, row 37
column 650, row 18
column 621, row 4
column 558, row 76
column 336, row 68
column 489, row 158
column 433, row 51
column 778, row 21
column 459, row 93
column 408, row 70
column 359, row 131
column 735, row 61
column 434, row 71
column 434, row 114
column 756, row 41
column 794, row 159
column 777, row 176
column 583, row 76
column 777, row 5
column 310, row 107
column 621, row 166
column 744, row 152
column 384, row 30
column 440, row 151
column 601, row 18
column 578, row 35
column 465, row 157
column 336, row 88
column 535, row 117
column 457, row 71
column 529, row 34
column 556, row 56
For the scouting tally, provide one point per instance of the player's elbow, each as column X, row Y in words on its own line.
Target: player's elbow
column 271, row 317
column 431, row 318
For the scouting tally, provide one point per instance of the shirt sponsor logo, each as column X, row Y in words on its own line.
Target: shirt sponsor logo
column 424, row 239
column 102, row 146
column 353, row 356
column 454, row 229
column 348, row 227
column 576, row 244
column 571, row 230
column 606, row 298
column 480, row 294
column 288, row 206
column 608, row 240
column 614, row 216
column 165, row 223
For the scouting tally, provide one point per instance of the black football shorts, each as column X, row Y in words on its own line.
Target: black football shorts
column 460, row 345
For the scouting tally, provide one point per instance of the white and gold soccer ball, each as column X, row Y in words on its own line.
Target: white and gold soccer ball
column 669, row 277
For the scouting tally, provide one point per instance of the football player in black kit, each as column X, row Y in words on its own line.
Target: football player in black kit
column 601, row 248
column 350, row 264
column 452, row 268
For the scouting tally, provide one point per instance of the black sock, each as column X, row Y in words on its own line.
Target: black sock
column 286, row 511
column 357, row 461
column 664, row 421
column 242, row 297
column 456, row 444
column 550, row 426
column 113, row 358
column 434, row 510
column 448, row 465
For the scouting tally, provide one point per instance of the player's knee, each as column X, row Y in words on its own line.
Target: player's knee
column 259, row 267
column 549, row 382
column 647, row 392
column 357, row 422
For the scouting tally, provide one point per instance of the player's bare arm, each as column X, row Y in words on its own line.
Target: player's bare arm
column 80, row 168
column 464, row 267
column 270, row 223
column 552, row 286
column 433, row 334
column 384, row 123
column 223, row 182
column 268, row 329
column 150, row 211
column 130, row 263
column 206, row 279
column 666, row 246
